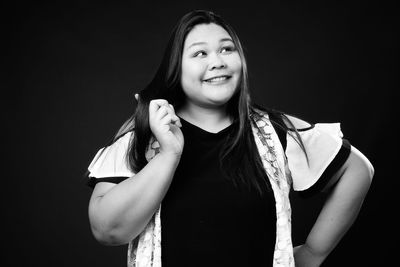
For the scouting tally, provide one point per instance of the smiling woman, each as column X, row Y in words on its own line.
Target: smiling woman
column 220, row 166
column 210, row 69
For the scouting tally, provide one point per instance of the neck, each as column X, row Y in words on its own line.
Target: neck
column 211, row 119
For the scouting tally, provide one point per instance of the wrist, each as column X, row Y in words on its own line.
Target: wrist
column 171, row 157
column 317, row 257
column 307, row 257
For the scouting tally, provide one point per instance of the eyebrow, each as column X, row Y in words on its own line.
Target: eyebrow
column 201, row 43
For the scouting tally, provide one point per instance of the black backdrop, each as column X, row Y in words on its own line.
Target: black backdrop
column 71, row 70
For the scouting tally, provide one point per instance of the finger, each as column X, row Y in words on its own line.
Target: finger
column 172, row 109
column 166, row 120
column 178, row 123
column 161, row 112
column 160, row 102
column 169, row 119
column 167, row 112
column 175, row 118
column 169, row 109
column 155, row 104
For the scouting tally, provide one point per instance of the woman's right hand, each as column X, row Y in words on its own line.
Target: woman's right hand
column 165, row 125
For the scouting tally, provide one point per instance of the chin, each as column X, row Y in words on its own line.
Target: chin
column 219, row 101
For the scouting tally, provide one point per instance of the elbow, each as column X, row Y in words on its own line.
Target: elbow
column 371, row 170
column 109, row 236
column 104, row 230
column 111, row 229
column 103, row 237
column 363, row 164
column 110, row 233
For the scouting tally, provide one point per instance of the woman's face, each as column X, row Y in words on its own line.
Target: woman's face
column 211, row 66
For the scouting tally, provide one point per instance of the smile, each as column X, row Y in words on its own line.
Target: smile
column 217, row 79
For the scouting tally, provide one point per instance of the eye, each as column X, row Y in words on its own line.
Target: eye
column 200, row 53
column 227, row 49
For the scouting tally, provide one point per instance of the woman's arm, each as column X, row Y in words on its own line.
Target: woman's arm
column 339, row 211
column 118, row 213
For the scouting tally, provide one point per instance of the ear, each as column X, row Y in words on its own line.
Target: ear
column 137, row 97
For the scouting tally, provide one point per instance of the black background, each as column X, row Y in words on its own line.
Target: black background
column 71, row 69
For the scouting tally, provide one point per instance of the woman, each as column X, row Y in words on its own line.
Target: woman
column 220, row 166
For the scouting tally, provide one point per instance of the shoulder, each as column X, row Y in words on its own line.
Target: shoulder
column 120, row 140
column 117, row 148
column 124, row 138
column 295, row 123
column 110, row 160
column 119, row 144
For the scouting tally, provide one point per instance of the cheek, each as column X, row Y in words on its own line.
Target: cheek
column 236, row 63
column 191, row 71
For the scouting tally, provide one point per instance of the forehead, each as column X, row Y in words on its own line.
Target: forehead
column 206, row 33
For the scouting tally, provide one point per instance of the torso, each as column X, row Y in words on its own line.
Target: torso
column 206, row 220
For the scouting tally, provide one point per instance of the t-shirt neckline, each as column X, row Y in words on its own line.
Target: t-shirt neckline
column 194, row 129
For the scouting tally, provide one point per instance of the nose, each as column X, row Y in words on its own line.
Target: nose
column 217, row 62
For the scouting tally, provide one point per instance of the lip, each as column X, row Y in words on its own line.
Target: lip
column 218, row 76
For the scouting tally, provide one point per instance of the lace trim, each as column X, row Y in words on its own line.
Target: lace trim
column 283, row 255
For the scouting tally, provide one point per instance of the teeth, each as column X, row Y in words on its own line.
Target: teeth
column 217, row 79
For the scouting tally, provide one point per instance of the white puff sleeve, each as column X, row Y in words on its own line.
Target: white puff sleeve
column 326, row 152
column 110, row 163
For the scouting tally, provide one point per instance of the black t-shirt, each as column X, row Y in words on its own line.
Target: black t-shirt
column 205, row 219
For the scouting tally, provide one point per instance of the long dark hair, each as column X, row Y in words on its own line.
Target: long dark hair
column 240, row 160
